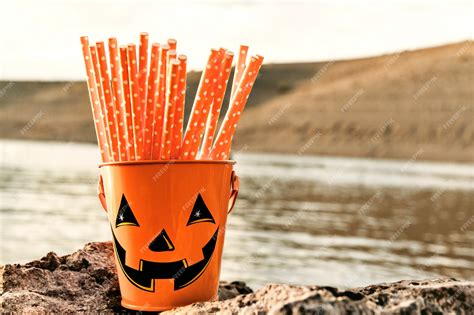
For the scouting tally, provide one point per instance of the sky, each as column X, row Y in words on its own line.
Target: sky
column 40, row 39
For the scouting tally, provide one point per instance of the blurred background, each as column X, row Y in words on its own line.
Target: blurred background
column 355, row 151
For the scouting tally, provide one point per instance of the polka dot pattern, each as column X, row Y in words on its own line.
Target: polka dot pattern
column 202, row 102
column 128, row 104
column 95, row 101
column 109, row 105
column 95, row 63
column 171, row 97
column 138, row 101
column 239, row 68
column 224, row 139
column 119, row 102
column 152, row 89
column 135, row 100
column 160, row 103
column 179, row 109
column 143, row 68
column 220, row 87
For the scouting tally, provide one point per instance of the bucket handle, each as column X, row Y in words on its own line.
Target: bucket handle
column 234, row 186
column 101, row 194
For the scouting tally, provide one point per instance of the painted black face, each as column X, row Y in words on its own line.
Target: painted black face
column 180, row 271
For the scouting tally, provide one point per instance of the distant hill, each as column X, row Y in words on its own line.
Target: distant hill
column 61, row 110
column 410, row 105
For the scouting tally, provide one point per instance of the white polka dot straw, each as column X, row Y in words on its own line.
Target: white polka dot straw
column 143, row 67
column 94, row 100
column 111, row 117
column 160, row 103
column 236, row 106
column 103, row 110
column 179, row 109
column 172, row 43
column 166, row 55
column 127, row 102
column 152, row 87
column 219, row 89
column 172, row 92
column 194, row 129
column 239, row 68
column 170, row 55
column 125, row 149
column 135, row 100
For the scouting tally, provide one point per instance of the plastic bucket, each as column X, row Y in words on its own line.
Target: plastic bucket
column 168, row 222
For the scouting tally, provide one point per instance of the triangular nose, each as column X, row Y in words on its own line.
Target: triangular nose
column 161, row 243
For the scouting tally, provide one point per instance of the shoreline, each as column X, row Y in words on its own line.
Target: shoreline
column 289, row 154
column 424, row 159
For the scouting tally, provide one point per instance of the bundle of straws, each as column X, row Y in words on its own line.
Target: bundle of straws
column 138, row 101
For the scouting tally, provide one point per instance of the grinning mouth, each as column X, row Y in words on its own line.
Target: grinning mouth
column 183, row 275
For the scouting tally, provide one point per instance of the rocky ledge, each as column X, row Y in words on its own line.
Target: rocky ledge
column 85, row 281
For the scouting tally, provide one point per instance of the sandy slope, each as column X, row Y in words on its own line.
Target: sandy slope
column 411, row 105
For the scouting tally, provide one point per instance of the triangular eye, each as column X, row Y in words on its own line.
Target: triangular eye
column 125, row 215
column 200, row 212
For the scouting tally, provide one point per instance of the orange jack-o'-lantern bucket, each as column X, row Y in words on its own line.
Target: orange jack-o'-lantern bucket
column 168, row 222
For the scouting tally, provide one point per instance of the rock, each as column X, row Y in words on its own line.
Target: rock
column 404, row 297
column 85, row 281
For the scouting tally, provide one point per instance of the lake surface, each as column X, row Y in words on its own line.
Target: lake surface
column 305, row 220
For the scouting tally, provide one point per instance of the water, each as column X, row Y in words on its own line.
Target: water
column 280, row 30
column 304, row 220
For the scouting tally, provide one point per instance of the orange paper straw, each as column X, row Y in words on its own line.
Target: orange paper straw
column 135, row 100
column 94, row 100
column 152, row 91
column 103, row 109
column 171, row 97
column 206, row 110
column 160, row 104
column 119, row 103
column 143, row 69
column 170, row 55
column 172, row 43
column 107, row 92
column 221, row 149
column 239, row 68
column 200, row 108
column 179, row 109
column 222, row 80
column 128, row 103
